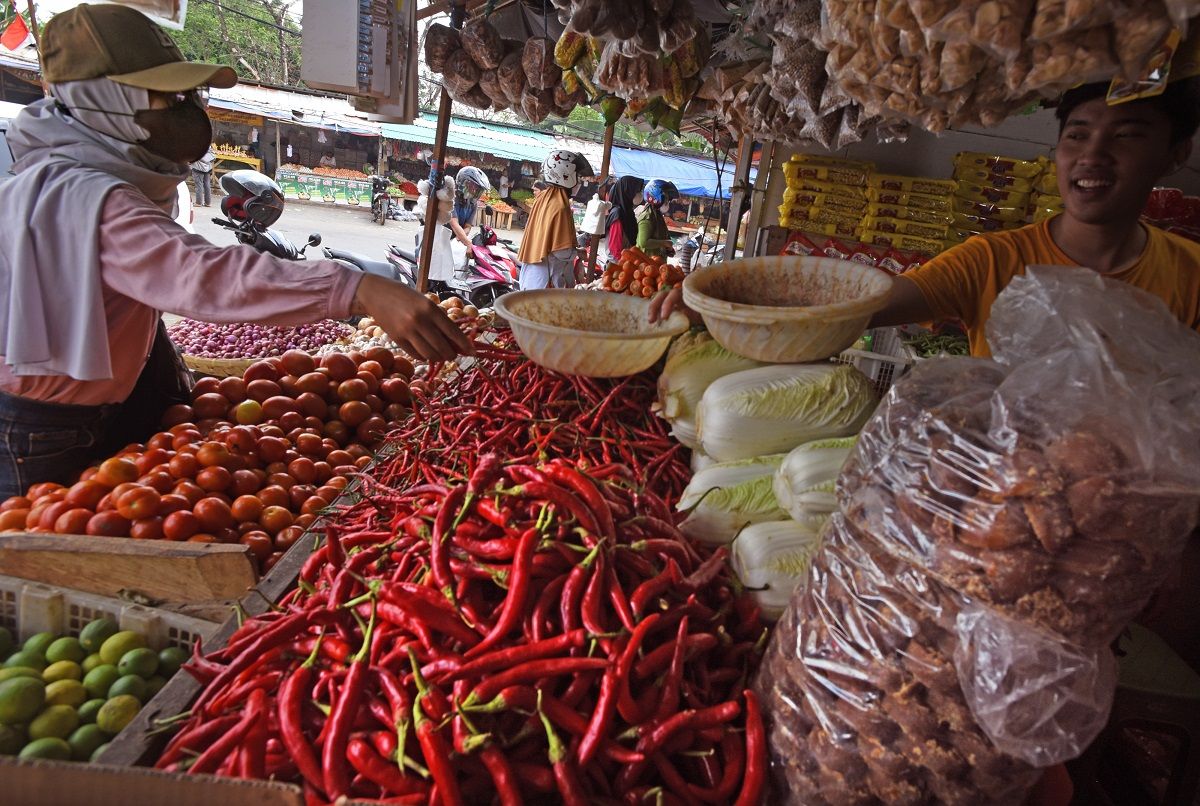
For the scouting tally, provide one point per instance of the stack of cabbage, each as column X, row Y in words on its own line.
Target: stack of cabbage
column 768, row 441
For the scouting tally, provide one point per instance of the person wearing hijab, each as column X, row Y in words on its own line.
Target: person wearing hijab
column 85, row 362
column 622, row 226
column 653, row 237
column 548, row 247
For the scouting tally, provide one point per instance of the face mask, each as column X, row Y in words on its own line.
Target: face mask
column 181, row 133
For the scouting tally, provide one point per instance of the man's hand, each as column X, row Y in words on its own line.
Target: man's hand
column 663, row 304
column 417, row 325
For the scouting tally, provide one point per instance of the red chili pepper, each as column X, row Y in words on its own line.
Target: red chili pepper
column 518, row 594
column 565, row 501
column 531, row 671
column 626, row 705
column 655, row 735
column 421, row 611
column 506, row 658
column 616, row 597
column 437, row 757
column 572, row 593
column 669, row 691
column 660, row 658
column 591, row 612
column 439, row 557
column 583, row 486
column 253, row 760
column 601, row 722
column 504, row 778
column 708, row 570
column 219, row 751
column 538, row 625
column 674, row 781
column 756, row 753
column 341, row 720
column 566, row 776
column 194, row 738
column 388, row 777
column 653, row 588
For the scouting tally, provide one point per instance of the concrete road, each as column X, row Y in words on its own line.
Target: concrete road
column 348, row 228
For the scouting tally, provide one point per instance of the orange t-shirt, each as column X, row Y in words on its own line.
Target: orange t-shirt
column 963, row 282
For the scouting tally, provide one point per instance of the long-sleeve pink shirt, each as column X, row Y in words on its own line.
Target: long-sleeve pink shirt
column 149, row 264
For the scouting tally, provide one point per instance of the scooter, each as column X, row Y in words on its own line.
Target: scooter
column 382, row 203
column 483, row 275
column 254, row 201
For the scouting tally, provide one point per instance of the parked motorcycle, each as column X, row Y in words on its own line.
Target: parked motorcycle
column 253, row 202
column 483, row 275
column 382, row 203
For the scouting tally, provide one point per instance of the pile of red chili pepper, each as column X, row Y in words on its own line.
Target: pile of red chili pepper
column 515, row 620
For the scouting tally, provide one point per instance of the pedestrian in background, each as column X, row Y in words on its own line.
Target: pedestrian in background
column 202, row 176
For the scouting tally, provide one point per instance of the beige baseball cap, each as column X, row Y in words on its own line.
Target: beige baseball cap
column 124, row 45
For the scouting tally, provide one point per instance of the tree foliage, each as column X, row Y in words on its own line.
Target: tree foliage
column 246, row 35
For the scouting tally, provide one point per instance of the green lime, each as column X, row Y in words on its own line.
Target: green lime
column 170, row 659
column 6, row 642
column 130, row 684
column 56, row 721
column 113, row 649
column 66, row 692
column 117, row 713
column 91, row 662
column 63, row 670
column 154, row 685
column 142, row 662
column 19, row 671
column 99, row 751
column 96, row 633
column 88, row 711
column 85, row 740
column 12, row 739
column 20, row 699
column 65, row 649
column 50, row 747
column 34, row 660
column 98, row 680
column 39, row 642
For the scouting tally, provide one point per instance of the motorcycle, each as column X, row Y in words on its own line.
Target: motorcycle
column 484, row 274
column 382, row 203
column 253, row 202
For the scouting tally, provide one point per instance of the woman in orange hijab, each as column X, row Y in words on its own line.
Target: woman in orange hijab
column 548, row 247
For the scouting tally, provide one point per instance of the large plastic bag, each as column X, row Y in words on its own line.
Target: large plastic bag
column 1000, row 523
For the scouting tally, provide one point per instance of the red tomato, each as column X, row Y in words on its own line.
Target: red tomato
column 353, row 389
column 370, row 380
column 139, row 503
column 206, row 386
column 51, row 514
column 214, row 479
column 303, row 470
column 373, row 367
column 274, row 519
column 114, row 471
column 261, row 370
column 247, row 508
column 41, row 489
column 190, row 491
column 274, row 496
column 108, row 524
column 290, row 420
column 260, row 390
column 159, row 481
column 287, row 538
column 310, row 445
column 233, row 389
column 147, row 529
column 210, row 405
column 245, row 482
column 173, row 502
column 260, row 544
column 202, row 538
column 380, row 355
column 213, row 514
column 297, row 362
column 160, row 440
column 283, row 480
column 312, row 404
column 271, row 561
column 16, row 502
column 299, row 494
column 271, row 449
column 275, row 407
column 313, row 505
column 180, row 525
column 353, row 413
column 179, row 413
column 73, row 521
column 212, row 454
column 86, row 494
column 337, row 482
column 185, row 438
column 13, row 519
column 312, row 383
column 151, row 459
column 304, row 521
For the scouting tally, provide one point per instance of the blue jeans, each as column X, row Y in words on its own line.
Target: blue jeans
column 47, row 441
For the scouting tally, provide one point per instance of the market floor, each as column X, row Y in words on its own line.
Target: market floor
column 348, row 228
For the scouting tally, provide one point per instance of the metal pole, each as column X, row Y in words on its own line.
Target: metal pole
column 278, row 148
column 741, row 175
column 457, row 14
column 754, row 224
column 594, row 247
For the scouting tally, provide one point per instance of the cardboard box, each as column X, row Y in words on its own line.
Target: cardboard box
column 56, row 783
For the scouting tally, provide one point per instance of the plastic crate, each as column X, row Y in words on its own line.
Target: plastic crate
column 886, row 361
column 32, row 607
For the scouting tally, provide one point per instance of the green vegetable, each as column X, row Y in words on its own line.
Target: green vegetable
column 804, row 483
column 694, row 361
column 772, row 558
column 727, row 496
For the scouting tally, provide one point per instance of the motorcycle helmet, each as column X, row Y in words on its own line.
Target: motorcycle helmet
column 658, row 191
column 251, row 196
column 565, row 169
column 472, row 182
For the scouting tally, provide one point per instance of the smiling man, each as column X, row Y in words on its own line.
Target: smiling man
column 1109, row 159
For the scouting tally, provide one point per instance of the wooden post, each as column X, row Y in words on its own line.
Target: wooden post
column 605, row 158
column 741, row 175
column 754, row 223
column 278, row 147
column 431, row 208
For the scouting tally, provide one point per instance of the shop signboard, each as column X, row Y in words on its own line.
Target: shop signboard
column 327, row 189
column 340, row 191
column 360, row 193
column 289, row 182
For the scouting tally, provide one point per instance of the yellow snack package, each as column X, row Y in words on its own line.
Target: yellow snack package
column 918, row 200
column 902, row 227
column 910, row 242
column 908, row 213
column 832, row 188
column 911, row 184
column 993, row 163
column 992, row 195
column 980, row 224
column 978, row 176
column 1008, row 213
column 812, row 198
column 827, row 169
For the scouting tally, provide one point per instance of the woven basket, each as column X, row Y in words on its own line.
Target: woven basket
column 219, row 367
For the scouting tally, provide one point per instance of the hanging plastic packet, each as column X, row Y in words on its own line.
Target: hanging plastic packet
column 1157, row 68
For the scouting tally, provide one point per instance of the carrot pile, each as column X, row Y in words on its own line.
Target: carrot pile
column 509, row 614
column 639, row 275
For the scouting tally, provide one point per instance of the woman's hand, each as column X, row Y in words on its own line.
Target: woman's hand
column 417, row 325
column 664, row 303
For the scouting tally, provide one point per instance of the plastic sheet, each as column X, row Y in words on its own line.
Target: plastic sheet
column 1000, row 522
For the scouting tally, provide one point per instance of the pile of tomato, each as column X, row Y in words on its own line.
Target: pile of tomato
column 639, row 275
column 251, row 459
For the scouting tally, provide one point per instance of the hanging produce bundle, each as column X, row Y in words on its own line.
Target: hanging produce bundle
column 525, row 627
column 999, row 524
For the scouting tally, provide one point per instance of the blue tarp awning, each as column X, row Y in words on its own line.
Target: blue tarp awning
column 694, row 176
column 478, row 136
